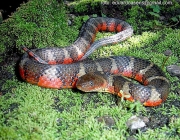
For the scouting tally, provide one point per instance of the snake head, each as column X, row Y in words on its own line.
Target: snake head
column 92, row 82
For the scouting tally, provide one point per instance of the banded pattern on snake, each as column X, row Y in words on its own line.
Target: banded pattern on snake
column 55, row 67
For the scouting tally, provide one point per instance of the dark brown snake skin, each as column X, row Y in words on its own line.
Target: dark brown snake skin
column 54, row 67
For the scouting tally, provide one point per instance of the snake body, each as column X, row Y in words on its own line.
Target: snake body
column 58, row 70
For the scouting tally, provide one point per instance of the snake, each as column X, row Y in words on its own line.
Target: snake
column 69, row 67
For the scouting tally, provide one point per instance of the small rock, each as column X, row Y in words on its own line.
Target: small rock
column 108, row 120
column 177, row 90
column 69, row 22
column 174, row 70
column 167, row 52
column 135, row 123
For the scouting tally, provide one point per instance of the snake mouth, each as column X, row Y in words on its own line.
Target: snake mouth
column 87, row 86
column 91, row 89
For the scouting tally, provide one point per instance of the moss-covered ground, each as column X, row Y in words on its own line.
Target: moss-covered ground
column 31, row 112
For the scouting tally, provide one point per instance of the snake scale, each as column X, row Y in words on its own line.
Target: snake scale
column 68, row 67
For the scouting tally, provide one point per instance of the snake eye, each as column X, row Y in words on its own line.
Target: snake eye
column 91, row 83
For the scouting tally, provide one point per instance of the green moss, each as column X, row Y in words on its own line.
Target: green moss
column 28, row 114
column 31, row 112
column 80, row 6
column 37, row 23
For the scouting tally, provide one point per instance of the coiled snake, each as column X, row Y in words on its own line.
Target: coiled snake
column 55, row 67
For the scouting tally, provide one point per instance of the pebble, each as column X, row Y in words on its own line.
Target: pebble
column 177, row 90
column 69, row 22
column 168, row 53
column 108, row 120
column 174, row 70
column 135, row 122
